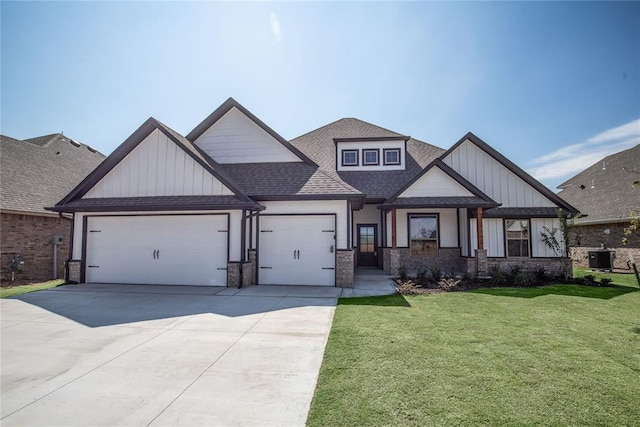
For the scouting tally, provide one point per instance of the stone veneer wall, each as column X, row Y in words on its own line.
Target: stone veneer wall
column 344, row 268
column 249, row 270
column 233, row 274
column 447, row 261
column 74, row 271
column 552, row 266
column 32, row 237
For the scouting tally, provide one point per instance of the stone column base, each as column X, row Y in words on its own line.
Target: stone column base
column 344, row 268
column 482, row 263
column 74, row 269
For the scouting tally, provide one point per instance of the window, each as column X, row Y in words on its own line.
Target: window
column 391, row 156
column 517, row 237
column 370, row 157
column 349, row 157
column 423, row 234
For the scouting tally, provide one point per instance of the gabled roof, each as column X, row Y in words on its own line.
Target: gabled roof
column 131, row 143
column 513, row 168
column 232, row 103
column 38, row 172
column 613, row 196
column 319, row 145
column 479, row 199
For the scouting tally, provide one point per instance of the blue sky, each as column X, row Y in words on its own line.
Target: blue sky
column 553, row 86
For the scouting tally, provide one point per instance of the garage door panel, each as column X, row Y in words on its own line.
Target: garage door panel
column 297, row 250
column 167, row 249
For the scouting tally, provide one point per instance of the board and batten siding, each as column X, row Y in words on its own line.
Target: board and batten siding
column 235, row 138
column 157, row 167
column 538, row 247
column 436, row 183
column 235, row 225
column 493, row 178
column 448, row 226
column 493, row 229
column 319, row 207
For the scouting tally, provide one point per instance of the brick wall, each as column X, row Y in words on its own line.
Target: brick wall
column 32, row 237
column 593, row 237
column 344, row 268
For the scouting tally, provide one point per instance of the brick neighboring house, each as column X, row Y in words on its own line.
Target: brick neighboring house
column 605, row 194
column 36, row 173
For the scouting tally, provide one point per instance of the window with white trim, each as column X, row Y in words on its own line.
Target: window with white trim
column 517, row 235
column 349, row 157
column 370, row 157
column 391, row 156
column 423, row 234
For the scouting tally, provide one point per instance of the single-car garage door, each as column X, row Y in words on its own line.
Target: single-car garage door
column 297, row 250
column 159, row 249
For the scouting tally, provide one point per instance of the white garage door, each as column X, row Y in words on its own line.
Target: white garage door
column 297, row 250
column 162, row 249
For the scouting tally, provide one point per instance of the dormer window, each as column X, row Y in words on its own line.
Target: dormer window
column 350, row 158
column 391, row 156
column 371, row 157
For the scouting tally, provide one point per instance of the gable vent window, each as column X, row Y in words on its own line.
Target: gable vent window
column 391, row 156
column 371, row 157
column 350, row 158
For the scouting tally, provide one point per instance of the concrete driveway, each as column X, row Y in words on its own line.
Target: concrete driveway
column 163, row 355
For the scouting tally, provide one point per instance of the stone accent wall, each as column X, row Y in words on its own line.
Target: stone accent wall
column 447, row 261
column 391, row 261
column 32, row 237
column 594, row 237
column 482, row 265
column 552, row 266
column 74, row 267
column 233, row 275
column 249, row 270
column 344, row 268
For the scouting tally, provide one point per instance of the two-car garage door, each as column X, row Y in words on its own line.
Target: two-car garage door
column 297, row 250
column 161, row 249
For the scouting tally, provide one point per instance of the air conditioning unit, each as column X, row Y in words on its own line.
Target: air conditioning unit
column 601, row 260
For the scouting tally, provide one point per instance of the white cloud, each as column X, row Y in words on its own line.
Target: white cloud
column 568, row 161
column 275, row 27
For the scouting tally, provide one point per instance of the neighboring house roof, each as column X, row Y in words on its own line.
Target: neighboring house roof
column 319, row 145
column 604, row 191
column 72, row 203
column 38, row 172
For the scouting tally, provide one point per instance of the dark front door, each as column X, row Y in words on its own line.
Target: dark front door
column 367, row 246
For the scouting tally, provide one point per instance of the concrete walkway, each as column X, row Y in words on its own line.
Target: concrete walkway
column 370, row 282
column 100, row 355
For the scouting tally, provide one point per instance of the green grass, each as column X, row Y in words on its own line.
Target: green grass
column 556, row 355
column 627, row 279
column 23, row 289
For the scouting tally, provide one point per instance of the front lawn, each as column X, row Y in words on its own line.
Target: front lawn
column 23, row 289
column 625, row 279
column 555, row 355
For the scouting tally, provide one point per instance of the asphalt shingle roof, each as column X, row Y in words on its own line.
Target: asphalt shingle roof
column 155, row 203
column 37, row 173
column 613, row 196
column 320, row 147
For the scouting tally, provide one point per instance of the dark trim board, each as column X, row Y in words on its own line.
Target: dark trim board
column 373, row 139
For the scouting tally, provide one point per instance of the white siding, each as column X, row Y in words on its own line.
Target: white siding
column 369, row 214
column 379, row 145
column 493, row 229
column 235, row 138
column 157, row 167
column 494, row 179
column 338, row 207
column 436, row 183
column 235, row 219
column 538, row 247
column 448, row 226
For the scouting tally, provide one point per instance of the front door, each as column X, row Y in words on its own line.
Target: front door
column 367, row 245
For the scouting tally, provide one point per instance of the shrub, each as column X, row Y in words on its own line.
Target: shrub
column 448, row 284
column 467, row 278
column 498, row 278
column 436, row 274
column 402, row 272
column 523, row 279
column 421, row 276
column 541, row 275
column 605, row 281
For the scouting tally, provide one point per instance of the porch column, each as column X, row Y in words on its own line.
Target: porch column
column 394, row 243
column 479, row 228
